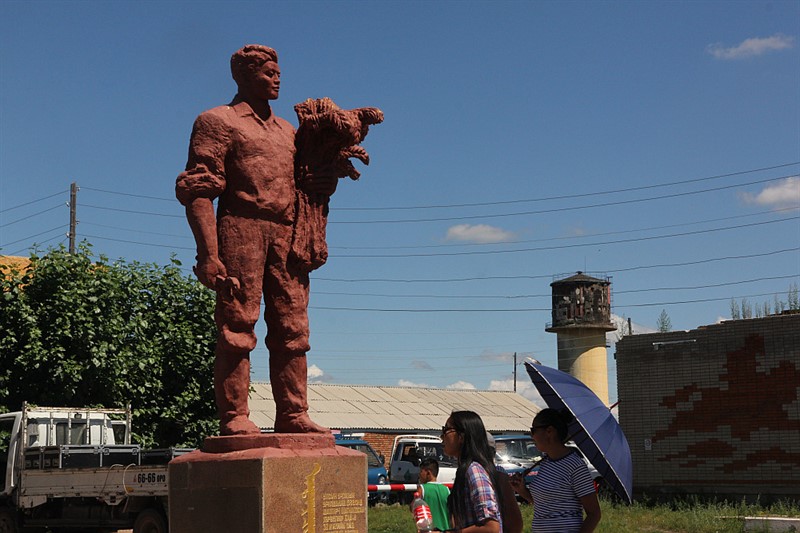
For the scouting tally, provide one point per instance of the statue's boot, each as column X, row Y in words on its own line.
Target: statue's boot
column 231, row 390
column 289, row 376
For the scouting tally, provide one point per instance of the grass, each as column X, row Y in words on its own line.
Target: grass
column 690, row 516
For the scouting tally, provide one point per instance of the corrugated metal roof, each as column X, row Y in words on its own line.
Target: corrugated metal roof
column 9, row 262
column 363, row 407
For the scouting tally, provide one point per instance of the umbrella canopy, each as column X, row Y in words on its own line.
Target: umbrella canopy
column 595, row 430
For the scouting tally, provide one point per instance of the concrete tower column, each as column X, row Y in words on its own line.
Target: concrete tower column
column 582, row 354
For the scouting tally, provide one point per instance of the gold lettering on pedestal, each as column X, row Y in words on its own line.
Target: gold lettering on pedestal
column 310, row 497
column 341, row 511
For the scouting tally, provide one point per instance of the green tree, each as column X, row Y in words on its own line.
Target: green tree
column 747, row 309
column 81, row 332
column 664, row 324
column 779, row 305
column 794, row 297
column 735, row 309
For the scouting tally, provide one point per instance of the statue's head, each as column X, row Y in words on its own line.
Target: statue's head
column 250, row 59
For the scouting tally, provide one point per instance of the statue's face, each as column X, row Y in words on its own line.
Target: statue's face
column 265, row 81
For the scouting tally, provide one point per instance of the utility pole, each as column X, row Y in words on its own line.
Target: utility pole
column 73, row 215
column 515, row 371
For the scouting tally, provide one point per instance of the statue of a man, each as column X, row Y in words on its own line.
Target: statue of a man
column 243, row 155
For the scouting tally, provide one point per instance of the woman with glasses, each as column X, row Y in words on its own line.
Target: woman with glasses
column 473, row 501
column 563, row 488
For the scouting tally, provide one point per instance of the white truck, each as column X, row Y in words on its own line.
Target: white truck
column 74, row 469
column 407, row 453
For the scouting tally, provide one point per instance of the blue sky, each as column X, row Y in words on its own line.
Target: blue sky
column 657, row 143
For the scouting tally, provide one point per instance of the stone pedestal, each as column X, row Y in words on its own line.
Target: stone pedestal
column 268, row 484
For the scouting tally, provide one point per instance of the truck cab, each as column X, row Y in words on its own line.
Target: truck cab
column 407, row 453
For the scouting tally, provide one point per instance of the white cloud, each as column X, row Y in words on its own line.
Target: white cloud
column 622, row 329
column 479, row 233
column 462, row 385
column 785, row 193
column 315, row 374
column 407, row 383
column 755, row 46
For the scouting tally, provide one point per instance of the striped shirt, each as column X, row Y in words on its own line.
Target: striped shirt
column 556, row 490
column 480, row 500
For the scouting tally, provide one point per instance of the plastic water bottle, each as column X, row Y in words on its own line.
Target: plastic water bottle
column 422, row 514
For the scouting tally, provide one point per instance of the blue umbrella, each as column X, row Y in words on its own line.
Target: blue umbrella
column 595, row 430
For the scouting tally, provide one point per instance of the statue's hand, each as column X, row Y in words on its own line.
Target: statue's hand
column 209, row 270
column 320, row 182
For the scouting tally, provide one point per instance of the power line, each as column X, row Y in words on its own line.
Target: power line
column 560, row 247
column 712, row 286
column 132, row 211
column 704, row 261
column 472, row 217
column 159, row 198
column 32, row 236
column 140, row 243
column 31, row 216
column 563, row 197
column 695, row 223
column 17, row 252
column 556, row 209
column 136, row 230
column 549, row 295
column 6, row 210
column 572, row 237
column 505, row 202
column 548, row 276
column 703, row 300
column 527, row 309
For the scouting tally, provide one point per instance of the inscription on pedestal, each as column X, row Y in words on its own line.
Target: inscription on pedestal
column 342, row 511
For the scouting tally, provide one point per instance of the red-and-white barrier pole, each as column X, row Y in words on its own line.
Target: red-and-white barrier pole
column 399, row 487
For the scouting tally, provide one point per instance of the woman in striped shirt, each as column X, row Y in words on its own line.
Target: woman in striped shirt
column 562, row 489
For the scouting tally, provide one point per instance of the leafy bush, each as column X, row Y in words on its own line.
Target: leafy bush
column 81, row 332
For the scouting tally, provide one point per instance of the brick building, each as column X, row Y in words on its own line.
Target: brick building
column 715, row 410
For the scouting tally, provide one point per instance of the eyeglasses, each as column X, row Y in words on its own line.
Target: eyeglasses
column 447, row 429
column 542, row 426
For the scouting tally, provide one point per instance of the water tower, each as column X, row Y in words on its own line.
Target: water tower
column 581, row 318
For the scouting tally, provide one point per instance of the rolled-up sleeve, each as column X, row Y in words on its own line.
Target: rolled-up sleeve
column 482, row 494
column 204, row 176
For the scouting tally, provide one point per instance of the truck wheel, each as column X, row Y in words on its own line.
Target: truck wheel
column 8, row 521
column 150, row 521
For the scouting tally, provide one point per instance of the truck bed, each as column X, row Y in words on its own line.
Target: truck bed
column 109, row 484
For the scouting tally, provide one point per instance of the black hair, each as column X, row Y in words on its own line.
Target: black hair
column 560, row 420
column 474, row 449
column 431, row 464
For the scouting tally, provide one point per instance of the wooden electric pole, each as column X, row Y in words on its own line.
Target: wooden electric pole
column 515, row 371
column 73, row 215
